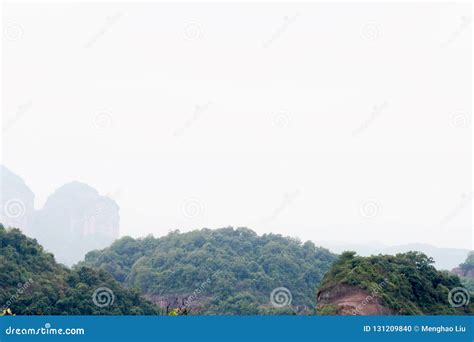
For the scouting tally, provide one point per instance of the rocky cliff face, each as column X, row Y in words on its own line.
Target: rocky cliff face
column 463, row 273
column 16, row 201
column 405, row 284
column 74, row 220
column 189, row 303
column 350, row 300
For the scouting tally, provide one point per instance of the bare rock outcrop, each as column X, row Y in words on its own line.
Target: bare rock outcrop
column 463, row 273
column 351, row 300
column 74, row 220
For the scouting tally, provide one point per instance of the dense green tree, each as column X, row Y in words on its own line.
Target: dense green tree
column 223, row 271
column 242, row 268
column 468, row 265
column 412, row 285
column 467, row 269
column 32, row 283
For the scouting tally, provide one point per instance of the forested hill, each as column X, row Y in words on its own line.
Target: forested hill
column 404, row 284
column 465, row 271
column 223, row 271
column 227, row 272
column 32, row 283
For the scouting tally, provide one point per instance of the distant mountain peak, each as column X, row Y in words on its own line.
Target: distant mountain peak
column 74, row 220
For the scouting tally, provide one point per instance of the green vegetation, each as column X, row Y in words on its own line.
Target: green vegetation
column 468, row 265
column 224, row 271
column 468, row 283
column 238, row 268
column 32, row 283
column 467, row 268
column 412, row 286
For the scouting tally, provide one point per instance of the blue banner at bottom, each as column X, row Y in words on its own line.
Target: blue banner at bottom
column 237, row 328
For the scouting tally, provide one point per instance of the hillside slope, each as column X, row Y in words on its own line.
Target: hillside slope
column 32, row 283
column 404, row 284
column 465, row 271
column 223, row 271
column 444, row 258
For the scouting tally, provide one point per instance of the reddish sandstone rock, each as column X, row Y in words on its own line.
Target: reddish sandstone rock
column 350, row 300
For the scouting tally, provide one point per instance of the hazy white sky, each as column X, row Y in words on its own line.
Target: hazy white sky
column 326, row 122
